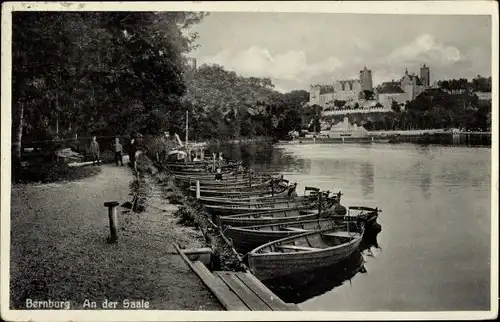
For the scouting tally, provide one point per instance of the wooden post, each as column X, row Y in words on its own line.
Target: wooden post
column 320, row 202
column 198, row 189
column 202, row 154
column 113, row 220
column 213, row 164
column 187, row 127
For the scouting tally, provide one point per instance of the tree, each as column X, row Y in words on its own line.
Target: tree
column 88, row 71
column 395, row 107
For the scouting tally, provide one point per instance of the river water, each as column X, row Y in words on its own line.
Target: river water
column 434, row 248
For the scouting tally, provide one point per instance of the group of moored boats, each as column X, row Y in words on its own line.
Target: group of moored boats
column 281, row 232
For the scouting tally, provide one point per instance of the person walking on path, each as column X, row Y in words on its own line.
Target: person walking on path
column 118, row 152
column 131, row 152
column 94, row 151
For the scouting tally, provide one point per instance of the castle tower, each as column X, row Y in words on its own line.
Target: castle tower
column 425, row 76
column 314, row 91
column 365, row 77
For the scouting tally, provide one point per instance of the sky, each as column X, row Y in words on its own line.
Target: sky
column 296, row 50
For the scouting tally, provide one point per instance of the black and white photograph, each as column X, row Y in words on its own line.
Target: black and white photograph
column 258, row 160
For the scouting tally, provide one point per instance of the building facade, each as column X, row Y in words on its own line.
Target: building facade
column 351, row 91
column 347, row 90
column 342, row 90
column 365, row 77
column 322, row 95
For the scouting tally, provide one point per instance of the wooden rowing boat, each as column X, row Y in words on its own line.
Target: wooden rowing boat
column 225, row 210
column 280, row 216
column 240, row 186
column 334, row 211
column 228, row 180
column 203, row 175
column 259, row 189
column 368, row 214
column 292, row 196
column 199, row 166
column 248, row 200
column 308, row 251
column 305, row 202
column 246, row 238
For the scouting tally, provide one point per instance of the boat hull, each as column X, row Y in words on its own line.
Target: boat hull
column 273, row 264
column 215, row 201
column 247, row 192
column 225, row 210
column 246, row 238
column 267, row 218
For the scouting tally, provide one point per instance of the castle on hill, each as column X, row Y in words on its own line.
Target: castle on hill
column 361, row 91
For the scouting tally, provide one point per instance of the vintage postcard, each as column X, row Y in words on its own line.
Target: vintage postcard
column 185, row 161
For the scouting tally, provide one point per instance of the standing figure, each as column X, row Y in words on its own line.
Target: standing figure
column 218, row 175
column 118, row 152
column 131, row 152
column 94, row 151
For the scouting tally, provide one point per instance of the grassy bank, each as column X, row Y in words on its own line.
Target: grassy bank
column 53, row 172
column 59, row 249
column 190, row 213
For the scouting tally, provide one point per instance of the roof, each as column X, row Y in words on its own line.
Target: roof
column 417, row 79
column 390, row 88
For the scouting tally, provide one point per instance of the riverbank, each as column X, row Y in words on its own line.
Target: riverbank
column 59, row 250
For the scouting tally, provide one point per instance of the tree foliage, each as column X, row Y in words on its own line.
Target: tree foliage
column 225, row 105
column 436, row 108
column 98, row 72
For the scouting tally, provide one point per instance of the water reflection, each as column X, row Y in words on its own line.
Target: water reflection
column 417, row 187
column 301, row 287
column 367, row 179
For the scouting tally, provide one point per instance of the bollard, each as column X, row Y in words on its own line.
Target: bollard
column 113, row 220
column 197, row 189
column 202, row 154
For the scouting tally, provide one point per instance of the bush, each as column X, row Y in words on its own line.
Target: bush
column 187, row 217
column 54, row 172
column 157, row 150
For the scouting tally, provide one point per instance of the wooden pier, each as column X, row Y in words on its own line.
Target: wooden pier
column 238, row 291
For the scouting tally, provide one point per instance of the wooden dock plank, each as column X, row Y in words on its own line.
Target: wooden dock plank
column 244, row 293
column 227, row 298
column 273, row 301
column 268, row 294
column 230, row 301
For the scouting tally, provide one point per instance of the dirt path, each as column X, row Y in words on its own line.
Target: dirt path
column 59, row 250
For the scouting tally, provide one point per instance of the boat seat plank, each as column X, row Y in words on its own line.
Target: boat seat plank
column 230, row 301
column 293, row 229
column 242, row 291
column 340, row 234
column 297, row 247
column 274, row 302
